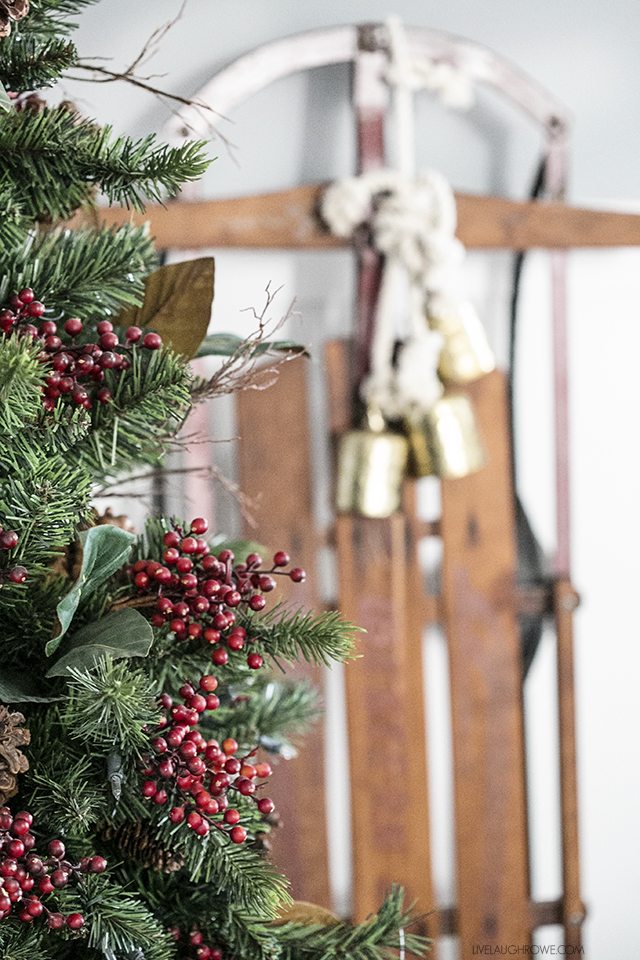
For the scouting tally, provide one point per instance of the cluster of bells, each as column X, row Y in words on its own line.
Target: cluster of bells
column 373, row 462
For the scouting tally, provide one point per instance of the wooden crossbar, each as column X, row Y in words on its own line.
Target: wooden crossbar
column 289, row 219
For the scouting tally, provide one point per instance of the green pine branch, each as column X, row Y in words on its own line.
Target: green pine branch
column 14, row 222
column 90, row 273
column 149, row 404
column 31, row 63
column 22, row 941
column 119, row 923
column 378, row 938
column 109, row 707
column 322, row 638
column 51, row 18
column 228, row 869
column 271, row 713
column 54, row 160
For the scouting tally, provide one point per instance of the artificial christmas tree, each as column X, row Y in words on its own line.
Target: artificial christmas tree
column 137, row 707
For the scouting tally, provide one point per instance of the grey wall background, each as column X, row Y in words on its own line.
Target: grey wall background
column 588, row 53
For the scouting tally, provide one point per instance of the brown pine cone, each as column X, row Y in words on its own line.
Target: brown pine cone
column 12, row 761
column 11, row 10
column 138, row 843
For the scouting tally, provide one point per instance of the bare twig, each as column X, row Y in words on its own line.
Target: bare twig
column 243, row 370
column 99, row 73
column 245, row 504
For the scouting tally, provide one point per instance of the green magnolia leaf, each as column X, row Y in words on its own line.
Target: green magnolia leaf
column 5, row 99
column 177, row 304
column 226, row 344
column 123, row 633
column 15, row 687
column 104, row 550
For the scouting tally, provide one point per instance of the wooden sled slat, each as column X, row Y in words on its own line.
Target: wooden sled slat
column 573, row 911
column 288, row 219
column 275, row 471
column 385, row 709
column 478, row 579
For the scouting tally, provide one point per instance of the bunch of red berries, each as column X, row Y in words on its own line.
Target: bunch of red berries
column 193, row 946
column 9, row 541
column 198, row 593
column 26, row 877
column 197, row 776
column 76, row 370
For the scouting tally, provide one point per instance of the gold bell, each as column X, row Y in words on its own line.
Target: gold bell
column 446, row 441
column 466, row 355
column 372, row 464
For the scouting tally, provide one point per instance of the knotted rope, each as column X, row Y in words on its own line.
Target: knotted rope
column 411, row 220
column 412, row 223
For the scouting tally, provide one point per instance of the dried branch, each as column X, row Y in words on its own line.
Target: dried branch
column 99, row 73
column 243, row 369
column 245, row 503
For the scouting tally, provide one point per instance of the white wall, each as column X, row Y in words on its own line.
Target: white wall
column 586, row 52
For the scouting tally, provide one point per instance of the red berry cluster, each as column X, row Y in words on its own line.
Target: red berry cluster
column 197, row 776
column 193, row 946
column 9, row 541
column 198, row 592
column 26, row 876
column 75, row 370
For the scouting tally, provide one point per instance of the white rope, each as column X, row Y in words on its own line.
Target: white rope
column 412, row 223
column 448, row 81
column 412, row 219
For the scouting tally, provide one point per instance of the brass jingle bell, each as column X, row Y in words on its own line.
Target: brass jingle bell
column 371, row 467
column 446, row 441
column 466, row 355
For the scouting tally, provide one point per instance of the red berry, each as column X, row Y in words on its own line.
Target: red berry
column 27, row 295
column 73, row 326
column 152, row 341
column 109, row 360
column 133, row 334
column 171, row 539
column 280, row 559
column 255, row 661
column 238, row 834
column 36, row 309
column 55, row 921
column 75, row 921
column 298, row 575
column 108, row 341
column 59, row 878
column 105, row 326
column 104, row 395
column 199, row 526
column 8, row 539
column 257, row 602
column 99, row 864
column 149, row 788
column 18, row 575
column 208, row 683
column 266, row 805
column 198, row 702
column 220, row 657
